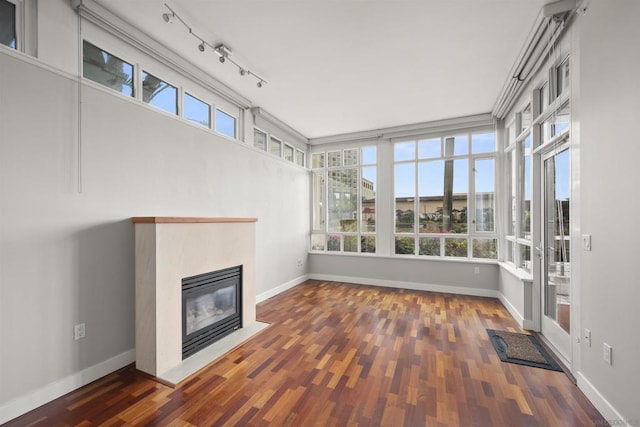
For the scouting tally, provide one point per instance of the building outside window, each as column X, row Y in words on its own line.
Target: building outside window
column 344, row 200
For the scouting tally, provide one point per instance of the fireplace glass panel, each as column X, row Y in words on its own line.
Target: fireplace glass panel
column 209, row 308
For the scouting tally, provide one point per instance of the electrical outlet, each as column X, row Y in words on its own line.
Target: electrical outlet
column 607, row 353
column 476, row 270
column 78, row 331
column 587, row 337
column 299, row 263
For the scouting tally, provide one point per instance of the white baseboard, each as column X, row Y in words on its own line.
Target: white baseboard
column 598, row 400
column 279, row 289
column 23, row 404
column 460, row 290
column 512, row 310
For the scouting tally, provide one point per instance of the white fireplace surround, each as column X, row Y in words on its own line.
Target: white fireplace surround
column 168, row 249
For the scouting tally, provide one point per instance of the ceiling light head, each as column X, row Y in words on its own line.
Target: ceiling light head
column 222, row 59
column 243, row 72
column 259, row 84
column 222, row 50
column 168, row 18
column 201, row 47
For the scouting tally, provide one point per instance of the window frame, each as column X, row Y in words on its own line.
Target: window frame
column 182, row 108
column 136, row 74
column 215, row 123
column 520, row 250
column 18, row 25
column 320, row 214
column 293, row 152
column 471, row 234
column 141, row 72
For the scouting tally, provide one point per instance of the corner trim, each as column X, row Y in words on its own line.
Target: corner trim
column 33, row 399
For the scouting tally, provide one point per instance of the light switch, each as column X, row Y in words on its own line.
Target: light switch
column 586, row 242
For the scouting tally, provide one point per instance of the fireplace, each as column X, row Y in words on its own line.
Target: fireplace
column 211, row 308
column 168, row 250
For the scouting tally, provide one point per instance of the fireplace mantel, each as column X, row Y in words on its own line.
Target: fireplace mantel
column 187, row 219
column 168, row 249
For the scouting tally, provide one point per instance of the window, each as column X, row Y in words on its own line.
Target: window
column 289, row 152
column 556, row 125
column 525, row 191
column 553, row 122
column 196, row 111
column 562, row 77
column 260, row 140
column 225, row 124
column 106, row 69
column 317, row 160
column 300, row 157
column 275, row 146
column 437, row 183
column 344, row 192
column 159, row 93
column 543, row 97
column 8, row 24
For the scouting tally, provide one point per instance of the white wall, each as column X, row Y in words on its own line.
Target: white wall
column 66, row 238
column 609, row 111
column 410, row 273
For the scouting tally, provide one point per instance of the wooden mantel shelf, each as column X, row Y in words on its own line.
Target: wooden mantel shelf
column 186, row 219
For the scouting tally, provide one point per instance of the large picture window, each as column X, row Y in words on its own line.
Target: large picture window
column 444, row 194
column 344, row 200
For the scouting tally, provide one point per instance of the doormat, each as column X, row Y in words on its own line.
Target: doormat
column 523, row 349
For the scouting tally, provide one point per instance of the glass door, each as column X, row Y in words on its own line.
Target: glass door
column 556, row 285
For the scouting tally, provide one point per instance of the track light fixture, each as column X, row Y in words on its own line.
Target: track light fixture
column 223, row 51
column 168, row 18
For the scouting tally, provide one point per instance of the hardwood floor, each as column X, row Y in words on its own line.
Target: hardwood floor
column 338, row 355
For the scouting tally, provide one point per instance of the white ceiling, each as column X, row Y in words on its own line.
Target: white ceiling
column 339, row 66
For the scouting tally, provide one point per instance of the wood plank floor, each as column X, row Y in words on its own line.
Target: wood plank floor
column 340, row 355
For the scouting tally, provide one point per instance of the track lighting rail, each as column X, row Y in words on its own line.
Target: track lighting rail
column 224, row 52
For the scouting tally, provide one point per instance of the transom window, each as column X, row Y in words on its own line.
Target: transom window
column 158, row 93
column 196, row 111
column 107, row 69
column 8, row 24
column 225, row 123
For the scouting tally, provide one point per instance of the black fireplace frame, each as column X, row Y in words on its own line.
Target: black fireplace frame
column 202, row 284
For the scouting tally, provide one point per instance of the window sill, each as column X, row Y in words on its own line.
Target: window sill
column 516, row 272
column 409, row 257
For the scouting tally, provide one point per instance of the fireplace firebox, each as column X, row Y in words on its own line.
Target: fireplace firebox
column 211, row 308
